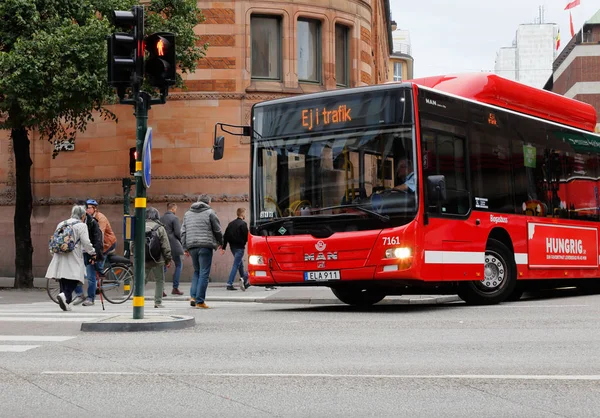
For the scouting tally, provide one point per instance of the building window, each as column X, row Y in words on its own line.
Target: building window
column 342, row 63
column 266, row 47
column 397, row 71
column 309, row 50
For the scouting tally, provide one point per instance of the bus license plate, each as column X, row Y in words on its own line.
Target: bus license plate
column 322, row 275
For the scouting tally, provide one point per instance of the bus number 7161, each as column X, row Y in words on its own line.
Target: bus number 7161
column 391, row 240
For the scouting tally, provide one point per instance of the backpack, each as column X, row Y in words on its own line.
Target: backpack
column 153, row 248
column 63, row 239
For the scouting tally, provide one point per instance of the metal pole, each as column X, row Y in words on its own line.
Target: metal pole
column 141, row 114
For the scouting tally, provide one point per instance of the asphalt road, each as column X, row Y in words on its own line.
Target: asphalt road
column 533, row 358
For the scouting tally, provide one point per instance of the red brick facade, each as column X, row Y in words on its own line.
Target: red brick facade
column 577, row 69
column 221, row 90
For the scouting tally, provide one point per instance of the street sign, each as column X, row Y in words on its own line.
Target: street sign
column 147, row 158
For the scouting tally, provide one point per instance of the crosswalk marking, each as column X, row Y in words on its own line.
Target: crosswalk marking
column 16, row 348
column 35, row 338
column 20, row 348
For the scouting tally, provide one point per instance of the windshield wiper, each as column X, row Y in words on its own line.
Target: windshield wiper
column 384, row 218
column 278, row 221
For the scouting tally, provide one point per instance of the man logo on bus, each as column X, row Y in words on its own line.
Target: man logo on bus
column 320, row 246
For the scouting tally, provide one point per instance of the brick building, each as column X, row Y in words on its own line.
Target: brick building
column 576, row 71
column 259, row 50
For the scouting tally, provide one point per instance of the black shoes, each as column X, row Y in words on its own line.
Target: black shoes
column 231, row 288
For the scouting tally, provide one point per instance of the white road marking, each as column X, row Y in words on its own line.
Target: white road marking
column 335, row 376
column 16, row 348
column 36, row 338
column 44, row 319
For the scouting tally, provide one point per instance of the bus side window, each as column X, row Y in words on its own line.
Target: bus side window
column 445, row 155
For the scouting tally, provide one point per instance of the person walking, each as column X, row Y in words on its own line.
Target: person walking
column 95, row 235
column 91, row 268
column 173, row 228
column 68, row 267
column 157, row 266
column 236, row 235
column 201, row 235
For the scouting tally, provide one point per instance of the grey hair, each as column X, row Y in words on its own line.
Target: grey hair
column 77, row 212
column 152, row 214
column 204, row 198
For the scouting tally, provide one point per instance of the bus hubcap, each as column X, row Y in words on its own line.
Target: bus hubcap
column 494, row 271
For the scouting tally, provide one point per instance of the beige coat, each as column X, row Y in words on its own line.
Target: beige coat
column 70, row 265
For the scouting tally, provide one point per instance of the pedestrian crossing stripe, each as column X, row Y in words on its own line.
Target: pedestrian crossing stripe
column 34, row 338
column 21, row 348
column 16, row 348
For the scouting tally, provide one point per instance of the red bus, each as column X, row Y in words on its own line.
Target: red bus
column 469, row 184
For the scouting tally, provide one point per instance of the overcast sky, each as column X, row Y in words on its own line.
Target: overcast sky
column 464, row 35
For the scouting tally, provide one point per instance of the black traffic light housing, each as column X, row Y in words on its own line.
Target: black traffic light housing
column 132, row 160
column 125, row 49
column 160, row 69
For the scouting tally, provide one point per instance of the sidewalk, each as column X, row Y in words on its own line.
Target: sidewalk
column 217, row 292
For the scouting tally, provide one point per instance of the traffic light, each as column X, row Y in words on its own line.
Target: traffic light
column 132, row 160
column 125, row 49
column 160, row 67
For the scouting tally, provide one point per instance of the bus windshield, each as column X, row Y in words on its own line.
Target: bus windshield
column 333, row 182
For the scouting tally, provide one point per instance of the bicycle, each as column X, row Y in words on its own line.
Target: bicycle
column 115, row 281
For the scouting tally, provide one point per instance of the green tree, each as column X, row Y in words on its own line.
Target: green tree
column 53, row 79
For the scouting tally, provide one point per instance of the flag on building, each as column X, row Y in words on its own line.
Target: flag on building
column 558, row 40
column 572, row 4
column 571, row 24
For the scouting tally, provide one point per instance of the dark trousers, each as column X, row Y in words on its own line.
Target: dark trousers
column 67, row 287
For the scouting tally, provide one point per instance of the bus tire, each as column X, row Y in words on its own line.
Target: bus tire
column 358, row 296
column 500, row 278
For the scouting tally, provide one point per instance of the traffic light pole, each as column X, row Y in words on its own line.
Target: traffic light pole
column 142, row 104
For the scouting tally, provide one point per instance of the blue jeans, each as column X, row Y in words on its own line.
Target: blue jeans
column 90, row 274
column 238, row 265
column 177, row 272
column 202, row 260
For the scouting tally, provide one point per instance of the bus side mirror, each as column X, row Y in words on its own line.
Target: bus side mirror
column 218, row 148
column 436, row 189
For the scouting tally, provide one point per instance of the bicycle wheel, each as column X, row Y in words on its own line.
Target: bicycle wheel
column 53, row 289
column 117, row 283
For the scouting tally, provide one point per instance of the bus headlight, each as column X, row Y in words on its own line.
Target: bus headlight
column 256, row 260
column 401, row 253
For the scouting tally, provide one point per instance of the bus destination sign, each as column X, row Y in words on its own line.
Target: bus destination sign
column 341, row 111
column 315, row 117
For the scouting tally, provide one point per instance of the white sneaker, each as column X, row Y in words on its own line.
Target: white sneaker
column 69, row 307
column 78, row 300
column 242, row 284
column 88, row 302
column 62, row 301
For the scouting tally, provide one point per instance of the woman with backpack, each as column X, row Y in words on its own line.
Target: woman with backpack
column 66, row 246
column 158, row 253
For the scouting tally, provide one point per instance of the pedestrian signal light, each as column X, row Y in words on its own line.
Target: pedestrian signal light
column 160, row 65
column 132, row 160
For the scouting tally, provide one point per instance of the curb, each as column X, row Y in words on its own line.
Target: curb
column 316, row 301
column 124, row 323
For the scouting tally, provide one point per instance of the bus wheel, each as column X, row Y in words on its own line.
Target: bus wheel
column 499, row 280
column 358, row 296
